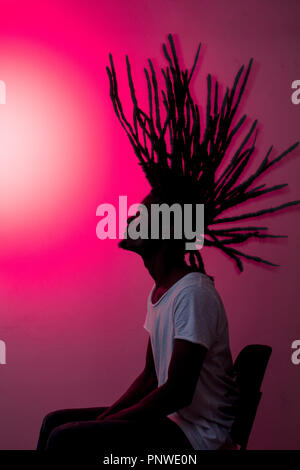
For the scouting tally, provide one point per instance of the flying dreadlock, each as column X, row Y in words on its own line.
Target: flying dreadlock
column 189, row 168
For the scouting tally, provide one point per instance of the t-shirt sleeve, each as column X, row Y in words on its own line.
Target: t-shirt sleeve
column 147, row 317
column 196, row 313
column 146, row 322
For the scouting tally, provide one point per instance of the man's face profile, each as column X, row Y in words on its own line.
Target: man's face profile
column 140, row 245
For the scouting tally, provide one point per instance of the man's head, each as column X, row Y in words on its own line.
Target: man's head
column 160, row 229
column 179, row 145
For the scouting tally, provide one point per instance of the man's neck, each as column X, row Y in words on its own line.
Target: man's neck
column 165, row 271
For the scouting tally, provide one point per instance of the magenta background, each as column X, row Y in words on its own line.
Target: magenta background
column 72, row 306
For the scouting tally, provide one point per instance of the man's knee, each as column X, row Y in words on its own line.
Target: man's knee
column 51, row 420
column 60, row 437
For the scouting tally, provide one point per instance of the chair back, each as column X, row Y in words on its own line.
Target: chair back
column 249, row 370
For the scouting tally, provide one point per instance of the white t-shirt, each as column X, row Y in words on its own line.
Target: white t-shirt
column 193, row 310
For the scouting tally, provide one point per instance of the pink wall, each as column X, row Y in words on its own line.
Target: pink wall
column 72, row 306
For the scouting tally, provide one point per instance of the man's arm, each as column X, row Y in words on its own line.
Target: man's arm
column 142, row 386
column 177, row 392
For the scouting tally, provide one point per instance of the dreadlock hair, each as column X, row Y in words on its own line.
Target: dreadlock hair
column 170, row 196
column 191, row 164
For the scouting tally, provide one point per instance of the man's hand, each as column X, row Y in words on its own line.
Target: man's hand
column 102, row 416
column 118, row 416
column 177, row 392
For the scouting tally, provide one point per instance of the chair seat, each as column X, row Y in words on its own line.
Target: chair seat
column 229, row 445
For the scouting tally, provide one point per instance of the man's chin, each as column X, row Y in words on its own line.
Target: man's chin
column 122, row 243
column 125, row 244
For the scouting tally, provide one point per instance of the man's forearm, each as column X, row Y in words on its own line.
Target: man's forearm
column 158, row 403
column 141, row 387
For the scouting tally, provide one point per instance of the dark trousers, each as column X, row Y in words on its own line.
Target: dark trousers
column 77, row 430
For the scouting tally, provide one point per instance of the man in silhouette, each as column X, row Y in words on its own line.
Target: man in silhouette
column 184, row 397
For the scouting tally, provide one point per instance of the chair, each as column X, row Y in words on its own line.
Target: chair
column 249, row 370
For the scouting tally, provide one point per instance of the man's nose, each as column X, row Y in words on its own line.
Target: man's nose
column 129, row 219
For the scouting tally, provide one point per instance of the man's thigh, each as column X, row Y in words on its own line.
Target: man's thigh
column 59, row 417
column 93, row 436
column 104, row 436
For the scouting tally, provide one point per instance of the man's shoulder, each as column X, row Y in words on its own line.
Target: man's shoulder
column 196, row 283
column 200, row 288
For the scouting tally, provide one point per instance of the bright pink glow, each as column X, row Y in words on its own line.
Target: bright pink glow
column 47, row 146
